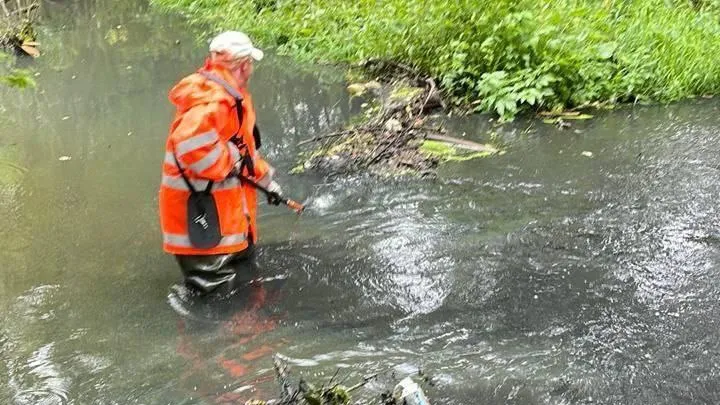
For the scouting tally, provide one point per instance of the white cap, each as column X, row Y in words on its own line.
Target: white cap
column 236, row 44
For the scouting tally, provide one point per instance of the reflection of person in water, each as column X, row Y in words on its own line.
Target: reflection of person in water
column 240, row 321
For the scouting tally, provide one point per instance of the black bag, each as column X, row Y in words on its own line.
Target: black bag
column 202, row 215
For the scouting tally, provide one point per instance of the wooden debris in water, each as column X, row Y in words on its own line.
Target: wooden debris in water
column 390, row 141
column 304, row 393
column 16, row 26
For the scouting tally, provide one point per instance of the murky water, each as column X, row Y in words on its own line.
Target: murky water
column 542, row 276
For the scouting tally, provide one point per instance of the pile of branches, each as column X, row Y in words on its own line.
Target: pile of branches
column 333, row 392
column 303, row 393
column 389, row 138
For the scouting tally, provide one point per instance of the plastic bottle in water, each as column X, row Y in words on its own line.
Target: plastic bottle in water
column 407, row 392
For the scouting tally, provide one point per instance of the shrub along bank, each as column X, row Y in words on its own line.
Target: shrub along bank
column 499, row 55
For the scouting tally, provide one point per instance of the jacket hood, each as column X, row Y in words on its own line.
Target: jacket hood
column 195, row 89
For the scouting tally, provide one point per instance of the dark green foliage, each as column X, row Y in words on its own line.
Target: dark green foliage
column 500, row 55
column 14, row 77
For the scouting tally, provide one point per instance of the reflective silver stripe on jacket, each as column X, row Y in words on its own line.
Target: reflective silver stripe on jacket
column 169, row 159
column 234, row 152
column 196, row 142
column 177, row 183
column 178, row 240
column 246, row 211
column 265, row 180
column 208, row 160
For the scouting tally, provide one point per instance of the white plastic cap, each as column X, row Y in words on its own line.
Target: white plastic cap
column 236, row 44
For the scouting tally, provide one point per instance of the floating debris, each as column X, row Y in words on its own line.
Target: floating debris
column 394, row 137
column 449, row 153
column 409, row 393
column 30, row 48
column 16, row 30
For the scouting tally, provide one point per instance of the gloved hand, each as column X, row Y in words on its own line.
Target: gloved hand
column 275, row 194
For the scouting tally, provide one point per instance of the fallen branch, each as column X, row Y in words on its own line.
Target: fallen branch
column 462, row 143
column 281, row 372
column 362, row 383
column 434, row 94
column 307, row 394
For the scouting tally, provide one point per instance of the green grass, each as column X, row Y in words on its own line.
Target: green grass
column 11, row 76
column 499, row 55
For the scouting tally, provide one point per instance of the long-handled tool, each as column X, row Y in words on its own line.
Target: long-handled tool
column 273, row 196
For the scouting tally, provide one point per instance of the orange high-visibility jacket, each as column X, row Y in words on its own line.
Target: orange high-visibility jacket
column 200, row 137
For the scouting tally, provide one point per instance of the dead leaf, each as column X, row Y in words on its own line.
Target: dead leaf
column 30, row 50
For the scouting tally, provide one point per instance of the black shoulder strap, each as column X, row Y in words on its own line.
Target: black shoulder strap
column 258, row 138
column 187, row 182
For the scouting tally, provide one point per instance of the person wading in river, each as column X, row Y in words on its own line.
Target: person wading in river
column 207, row 205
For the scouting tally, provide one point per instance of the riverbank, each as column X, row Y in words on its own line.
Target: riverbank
column 501, row 56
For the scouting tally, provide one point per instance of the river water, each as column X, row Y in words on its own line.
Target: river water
column 547, row 275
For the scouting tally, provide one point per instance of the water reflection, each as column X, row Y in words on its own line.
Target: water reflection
column 38, row 378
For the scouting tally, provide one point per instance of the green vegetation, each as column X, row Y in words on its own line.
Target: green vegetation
column 500, row 55
column 14, row 77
